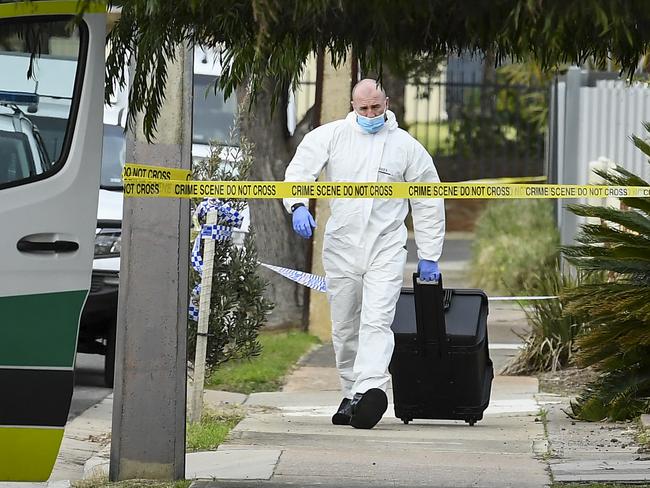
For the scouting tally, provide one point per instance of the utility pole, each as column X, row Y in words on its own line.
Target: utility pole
column 148, row 435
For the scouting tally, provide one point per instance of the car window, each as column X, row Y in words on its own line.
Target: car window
column 113, row 157
column 16, row 157
column 40, row 75
column 213, row 116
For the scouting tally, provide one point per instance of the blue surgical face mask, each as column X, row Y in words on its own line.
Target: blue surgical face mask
column 371, row 124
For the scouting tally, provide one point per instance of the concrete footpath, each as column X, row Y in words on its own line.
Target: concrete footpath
column 287, row 439
column 503, row 449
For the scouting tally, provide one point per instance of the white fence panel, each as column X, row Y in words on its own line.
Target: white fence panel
column 610, row 113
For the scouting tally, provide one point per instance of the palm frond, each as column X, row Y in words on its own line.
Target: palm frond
column 615, row 337
column 619, row 395
column 598, row 233
column 633, row 221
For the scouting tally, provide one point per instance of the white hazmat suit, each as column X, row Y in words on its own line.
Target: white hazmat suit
column 364, row 249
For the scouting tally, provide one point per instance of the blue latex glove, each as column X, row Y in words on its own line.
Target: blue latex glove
column 303, row 222
column 428, row 270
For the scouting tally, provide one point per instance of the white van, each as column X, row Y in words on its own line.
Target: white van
column 51, row 84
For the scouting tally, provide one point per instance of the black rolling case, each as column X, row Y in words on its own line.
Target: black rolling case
column 441, row 367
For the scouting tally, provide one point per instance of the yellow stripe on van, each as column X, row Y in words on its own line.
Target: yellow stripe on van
column 65, row 7
column 29, row 453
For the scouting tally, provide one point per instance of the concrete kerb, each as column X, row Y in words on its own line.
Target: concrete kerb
column 581, row 452
column 226, row 464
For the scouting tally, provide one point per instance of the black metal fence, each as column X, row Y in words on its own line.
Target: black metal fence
column 479, row 130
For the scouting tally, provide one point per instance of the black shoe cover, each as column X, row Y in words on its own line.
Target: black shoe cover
column 367, row 409
column 342, row 415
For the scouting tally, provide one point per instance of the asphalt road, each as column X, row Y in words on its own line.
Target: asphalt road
column 89, row 386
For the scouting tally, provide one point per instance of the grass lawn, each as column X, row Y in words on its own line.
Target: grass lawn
column 434, row 136
column 212, row 430
column 266, row 372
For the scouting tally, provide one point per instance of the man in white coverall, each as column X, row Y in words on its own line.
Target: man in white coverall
column 364, row 249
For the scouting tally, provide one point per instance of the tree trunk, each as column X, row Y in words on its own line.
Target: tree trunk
column 394, row 85
column 276, row 242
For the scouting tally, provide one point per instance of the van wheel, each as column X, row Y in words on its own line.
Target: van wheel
column 109, row 357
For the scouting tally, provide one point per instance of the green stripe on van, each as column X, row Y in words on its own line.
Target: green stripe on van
column 28, row 454
column 40, row 330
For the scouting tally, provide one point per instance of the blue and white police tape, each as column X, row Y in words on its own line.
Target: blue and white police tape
column 214, row 232
column 229, row 215
column 234, row 218
column 218, row 232
column 315, row 282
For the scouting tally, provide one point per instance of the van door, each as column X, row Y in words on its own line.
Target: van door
column 51, row 94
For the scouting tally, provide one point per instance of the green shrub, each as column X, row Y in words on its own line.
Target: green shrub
column 550, row 345
column 616, row 312
column 238, row 307
column 515, row 240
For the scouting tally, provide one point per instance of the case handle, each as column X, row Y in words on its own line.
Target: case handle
column 437, row 301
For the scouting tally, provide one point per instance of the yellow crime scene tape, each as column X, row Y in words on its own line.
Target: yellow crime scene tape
column 158, row 182
column 149, row 172
column 136, row 187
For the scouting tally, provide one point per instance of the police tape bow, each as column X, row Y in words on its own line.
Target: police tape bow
column 232, row 217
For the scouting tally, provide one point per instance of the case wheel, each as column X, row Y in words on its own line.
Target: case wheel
column 471, row 421
column 406, row 421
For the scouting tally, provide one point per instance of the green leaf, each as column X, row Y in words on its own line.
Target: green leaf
column 641, row 144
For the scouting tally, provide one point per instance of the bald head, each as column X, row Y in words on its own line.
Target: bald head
column 367, row 87
column 369, row 98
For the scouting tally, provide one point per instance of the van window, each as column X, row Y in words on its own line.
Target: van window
column 41, row 75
